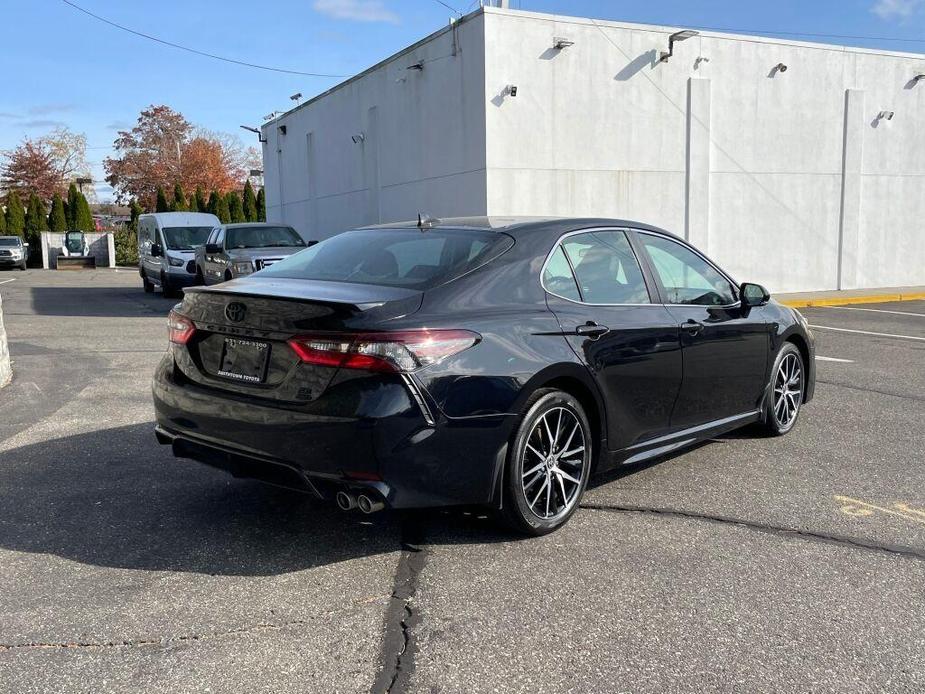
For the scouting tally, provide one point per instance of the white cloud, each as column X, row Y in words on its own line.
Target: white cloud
column 358, row 10
column 895, row 9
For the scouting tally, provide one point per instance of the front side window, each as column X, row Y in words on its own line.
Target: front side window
column 394, row 257
column 606, row 268
column 686, row 277
column 185, row 238
column 263, row 237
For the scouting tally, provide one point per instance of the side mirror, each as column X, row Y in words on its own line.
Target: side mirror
column 25, row 244
column 753, row 294
column 311, row 243
column 213, row 248
column 156, row 250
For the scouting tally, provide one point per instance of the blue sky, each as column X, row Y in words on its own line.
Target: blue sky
column 95, row 79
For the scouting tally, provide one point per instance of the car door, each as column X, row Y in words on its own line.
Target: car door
column 148, row 261
column 608, row 310
column 725, row 346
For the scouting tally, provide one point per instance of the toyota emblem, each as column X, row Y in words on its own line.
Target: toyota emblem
column 235, row 311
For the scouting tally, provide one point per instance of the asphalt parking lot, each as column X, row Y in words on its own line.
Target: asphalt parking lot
column 746, row 564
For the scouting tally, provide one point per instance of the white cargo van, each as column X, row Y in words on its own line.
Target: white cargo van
column 166, row 246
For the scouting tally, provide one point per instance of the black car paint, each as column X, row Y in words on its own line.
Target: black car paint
column 439, row 436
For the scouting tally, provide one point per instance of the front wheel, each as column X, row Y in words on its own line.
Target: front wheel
column 548, row 464
column 785, row 394
column 167, row 289
column 146, row 283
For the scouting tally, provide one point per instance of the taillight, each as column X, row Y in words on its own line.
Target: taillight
column 179, row 328
column 406, row 350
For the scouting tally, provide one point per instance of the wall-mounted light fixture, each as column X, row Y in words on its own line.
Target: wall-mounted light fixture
column 297, row 97
column 260, row 136
column 780, row 67
column 700, row 59
column 885, row 114
column 915, row 80
column 510, row 89
column 359, row 138
column 417, row 66
column 674, row 38
column 271, row 115
column 559, row 43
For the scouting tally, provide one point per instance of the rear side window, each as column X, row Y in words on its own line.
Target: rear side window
column 605, row 268
column 394, row 257
column 558, row 278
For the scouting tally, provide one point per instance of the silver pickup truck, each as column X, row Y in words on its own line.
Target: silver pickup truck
column 13, row 252
column 233, row 250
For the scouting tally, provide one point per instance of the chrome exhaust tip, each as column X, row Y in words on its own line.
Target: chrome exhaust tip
column 368, row 505
column 345, row 501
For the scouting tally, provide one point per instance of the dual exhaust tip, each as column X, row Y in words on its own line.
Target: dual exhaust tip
column 347, row 501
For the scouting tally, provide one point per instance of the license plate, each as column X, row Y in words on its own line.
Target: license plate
column 245, row 360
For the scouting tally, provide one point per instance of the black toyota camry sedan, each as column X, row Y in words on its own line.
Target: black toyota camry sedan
column 497, row 362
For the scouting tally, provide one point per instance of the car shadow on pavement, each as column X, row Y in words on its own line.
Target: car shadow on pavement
column 99, row 302
column 115, row 498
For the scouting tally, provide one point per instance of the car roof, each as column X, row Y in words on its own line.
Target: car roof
column 235, row 225
column 521, row 225
column 180, row 217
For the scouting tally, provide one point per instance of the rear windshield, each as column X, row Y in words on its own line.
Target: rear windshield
column 185, row 238
column 9, row 242
column 394, row 257
column 262, row 237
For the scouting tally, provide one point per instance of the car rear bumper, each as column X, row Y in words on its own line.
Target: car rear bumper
column 387, row 445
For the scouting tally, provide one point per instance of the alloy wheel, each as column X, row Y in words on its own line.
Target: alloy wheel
column 554, row 464
column 788, row 390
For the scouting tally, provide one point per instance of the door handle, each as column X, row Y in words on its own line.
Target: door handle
column 692, row 327
column 592, row 330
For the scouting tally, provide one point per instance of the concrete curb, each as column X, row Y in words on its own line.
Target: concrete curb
column 6, row 371
column 846, row 300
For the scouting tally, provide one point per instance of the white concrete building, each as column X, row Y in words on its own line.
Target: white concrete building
column 797, row 165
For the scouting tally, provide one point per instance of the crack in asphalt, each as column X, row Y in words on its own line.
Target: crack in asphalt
column 809, row 535
column 904, row 396
column 132, row 643
column 398, row 645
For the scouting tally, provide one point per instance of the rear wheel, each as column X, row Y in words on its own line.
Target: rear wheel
column 785, row 395
column 548, row 464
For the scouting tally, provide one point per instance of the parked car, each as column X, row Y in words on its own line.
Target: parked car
column 13, row 252
column 475, row 361
column 166, row 243
column 235, row 250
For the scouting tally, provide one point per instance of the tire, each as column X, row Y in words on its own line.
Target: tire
column 167, row 289
column 146, row 283
column 785, row 391
column 23, row 266
column 531, row 506
column 228, row 276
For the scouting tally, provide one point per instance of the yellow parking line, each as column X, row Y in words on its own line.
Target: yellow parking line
column 882, row 509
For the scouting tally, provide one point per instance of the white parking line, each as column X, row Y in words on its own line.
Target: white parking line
column 840, row 361
column 12, row 279
column 873, row 310
column 867, row 332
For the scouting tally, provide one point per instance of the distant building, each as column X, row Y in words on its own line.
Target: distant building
column 797, row 165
